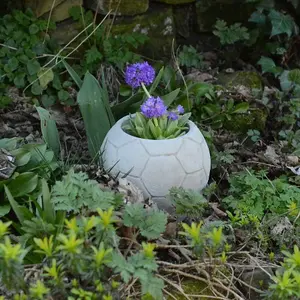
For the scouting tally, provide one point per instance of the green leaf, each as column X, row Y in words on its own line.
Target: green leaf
column 49, row 130
column 241, row 108
column 4, row 210
column 281, row 23
column 125, row 90
column 33, row 67
column 48, row 209
column 48, row 100
column 73, row 74
column 12, row 64
column 294, row 76
column 45, row 76
column 268, row 66
column 170, row 98
column 22, row 156
column 23, row 184
column 36, row 89
column 153, row 286
column 15, row 206
column 19, row 80
column 63, row 95
column 33, row 29
column 95, row 113
column 93, row 55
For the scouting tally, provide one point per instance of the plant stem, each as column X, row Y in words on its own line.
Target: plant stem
column 145, row 90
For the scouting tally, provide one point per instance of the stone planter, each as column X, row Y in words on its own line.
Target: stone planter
column 157, row 165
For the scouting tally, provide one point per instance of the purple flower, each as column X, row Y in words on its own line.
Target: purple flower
column 172, row 115
column 139, row 73
column 180, row 109
column 153, row 108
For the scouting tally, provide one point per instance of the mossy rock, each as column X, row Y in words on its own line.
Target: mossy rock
column 66, row 31
column 176, row 2
column 157, row 24
column 61, row 11
column 124, row 7
column 193, row 287
column 208, row 11
column 40, row 7
column 251, row 80
column 255, row 118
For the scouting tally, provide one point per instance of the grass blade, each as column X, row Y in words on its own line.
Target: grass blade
column 73, row 74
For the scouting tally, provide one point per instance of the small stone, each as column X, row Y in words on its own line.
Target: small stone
column 122, row 8
column 66, row 31
column 292, row 160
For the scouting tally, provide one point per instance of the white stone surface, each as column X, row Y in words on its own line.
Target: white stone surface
column 158, row 165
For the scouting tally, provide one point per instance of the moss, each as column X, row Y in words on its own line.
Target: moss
column 124, row 7
column 193, row 287
column 250, row 80
column 255, row 119
column 61, row 11
column 158, row 25
column 208, row 11
column 41, row 7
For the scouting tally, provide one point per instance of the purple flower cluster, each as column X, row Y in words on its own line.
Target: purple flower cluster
column 139, row 73
column 154, row 108
column 174, row 115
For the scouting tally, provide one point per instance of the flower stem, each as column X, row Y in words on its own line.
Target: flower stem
column 145, row 90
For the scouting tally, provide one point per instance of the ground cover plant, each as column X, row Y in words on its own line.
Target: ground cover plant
column 69, row 230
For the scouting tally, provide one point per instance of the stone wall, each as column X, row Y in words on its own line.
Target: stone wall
column 162, row 20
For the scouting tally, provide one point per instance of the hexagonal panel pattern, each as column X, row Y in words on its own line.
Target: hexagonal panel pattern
column 109, row 155
column 195, row 181
column 167, row 147
column 156, row 166
column 132, row 156
column 190, row 156
column 161, row 173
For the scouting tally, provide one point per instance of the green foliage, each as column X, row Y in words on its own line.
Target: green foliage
column 26, row 47
column 96, row 112
column 156, row 128
column 86, row 251
column 150, row 223
column 30, row 163
column 255, row 194
column 76, row 192
column 49, row 131
column 190, row 58
column 106, row 47
column 230, row 34
column 285, row 284
column 188, row 202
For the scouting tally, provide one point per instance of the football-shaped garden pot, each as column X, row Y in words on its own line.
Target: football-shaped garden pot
column 157, row 165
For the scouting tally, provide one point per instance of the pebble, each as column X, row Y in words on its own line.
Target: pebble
column 292, row 160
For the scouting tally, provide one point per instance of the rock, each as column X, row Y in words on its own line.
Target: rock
column 251, row 80
column 40, row 7
column 61, row 11
column 66, row 31
column 157, row 24
column 124, row 7
column 258, row 279
column 255, row 118
column 193, row 287
column 175, row 2
column 184, row 17
column 292, row 160
column 231, row 11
